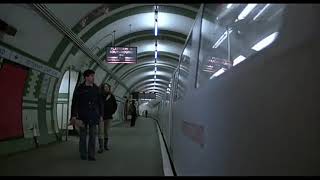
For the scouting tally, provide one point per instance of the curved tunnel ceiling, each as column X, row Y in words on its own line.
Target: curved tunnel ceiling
column 174, row 24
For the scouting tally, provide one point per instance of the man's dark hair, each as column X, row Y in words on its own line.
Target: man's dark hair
column 88, row 72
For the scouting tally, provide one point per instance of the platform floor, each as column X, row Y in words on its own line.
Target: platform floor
column 134, row 152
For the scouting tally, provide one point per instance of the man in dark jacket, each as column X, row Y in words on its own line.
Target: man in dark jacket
column 110, row 107
column 87, row 107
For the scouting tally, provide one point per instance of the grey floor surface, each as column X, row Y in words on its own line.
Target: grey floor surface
column 134, row 152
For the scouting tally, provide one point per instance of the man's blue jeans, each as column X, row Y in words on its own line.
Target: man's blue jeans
column 83, row 141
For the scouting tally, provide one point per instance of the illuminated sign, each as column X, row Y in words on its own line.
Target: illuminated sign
column 126, row 55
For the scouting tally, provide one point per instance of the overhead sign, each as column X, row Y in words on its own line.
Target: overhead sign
column 23, row 60
column 127, row 55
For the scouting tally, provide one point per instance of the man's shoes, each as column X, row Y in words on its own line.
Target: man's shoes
column 92, row 159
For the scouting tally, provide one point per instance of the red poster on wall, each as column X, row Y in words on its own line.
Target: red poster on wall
column 12, row 80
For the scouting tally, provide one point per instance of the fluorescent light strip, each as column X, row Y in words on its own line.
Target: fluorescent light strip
column 218, row 73
column 246, row 11
column 228, row 6
column 238, row 60
column 155, row 54
column 156, row 28
column 155, row 76
column 155, row 68
column 260, row 12
column 265, row 42
column 221, row 39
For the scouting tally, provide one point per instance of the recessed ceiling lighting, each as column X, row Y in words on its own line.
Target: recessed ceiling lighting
column 218, row 73
column 260, row 12
column 238, row 60
column 265, row 42
column 246, row 11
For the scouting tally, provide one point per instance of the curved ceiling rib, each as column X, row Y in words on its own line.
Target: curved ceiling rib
column 172, row 58
column 140, row 22
column 174, row 24
column 148, row 89
column 148, row 59
column 164, row 87
column 148, row 72
column 137, row 77
column 148, row 81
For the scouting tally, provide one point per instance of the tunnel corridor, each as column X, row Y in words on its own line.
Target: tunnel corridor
column 220, row 89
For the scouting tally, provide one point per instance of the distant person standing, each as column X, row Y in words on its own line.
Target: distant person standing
column 86, row 111
column 110, row 107
column 133, row 113
column 146, row 113
column 127, row 118
column 125, row 108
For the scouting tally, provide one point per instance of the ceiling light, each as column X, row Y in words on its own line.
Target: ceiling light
column 156, row 28
column 246, row 11
column 238, row 60
column 265, row 42
column 221, row 39
column 228, row 6
column 260, row 12
column 218, row 73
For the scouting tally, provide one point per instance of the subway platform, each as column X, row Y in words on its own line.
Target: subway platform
column 134, row 151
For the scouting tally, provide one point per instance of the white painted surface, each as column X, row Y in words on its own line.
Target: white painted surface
column 34, row 34
column 29, row 121
column 99, row 75
column 71, row 14
column 140, row 22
